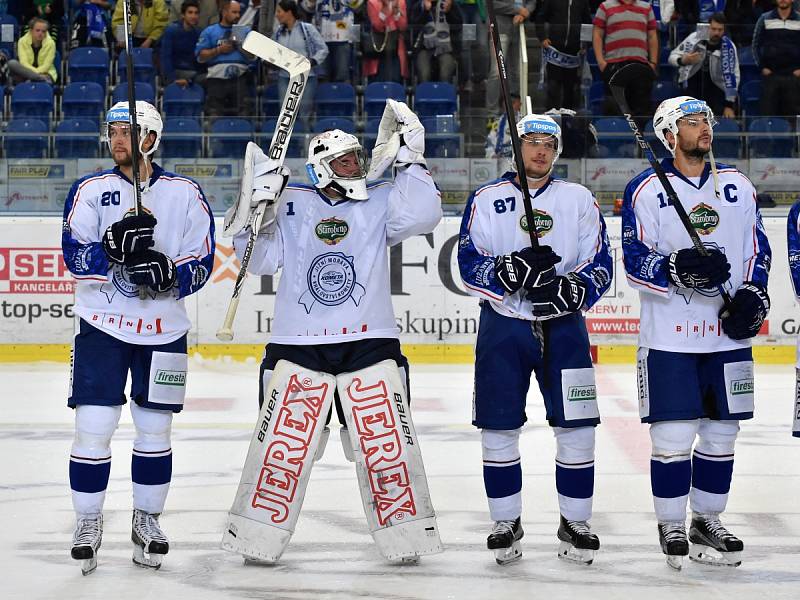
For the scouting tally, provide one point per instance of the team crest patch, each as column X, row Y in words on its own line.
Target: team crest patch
column 704, row 218
column 332, row 230
column 331, row 281
column 542, row 221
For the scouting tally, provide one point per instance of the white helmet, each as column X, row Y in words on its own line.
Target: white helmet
column 147, row 118
column 543, row 124
column 325, row 148
column 672, row 109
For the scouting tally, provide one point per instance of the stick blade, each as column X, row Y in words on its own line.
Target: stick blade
column 272, row 52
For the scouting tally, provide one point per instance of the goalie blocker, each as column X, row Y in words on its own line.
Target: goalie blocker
column 290, row 435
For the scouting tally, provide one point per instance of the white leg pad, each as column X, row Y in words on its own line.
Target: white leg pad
column 278, row 464
column 391, row 475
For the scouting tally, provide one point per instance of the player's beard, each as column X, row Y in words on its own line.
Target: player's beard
column 125, row 161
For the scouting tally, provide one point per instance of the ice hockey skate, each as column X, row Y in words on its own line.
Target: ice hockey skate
column 86, row 541
column 578, row 543
column 504, row 540
column 712, row 544
column 149, row 542
column 674, row 544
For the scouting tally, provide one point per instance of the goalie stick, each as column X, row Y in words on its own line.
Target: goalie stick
column 512, row 129
column 298, row 67
column 617, row 84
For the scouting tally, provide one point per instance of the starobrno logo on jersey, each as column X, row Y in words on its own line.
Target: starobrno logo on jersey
column 166, row 377
column 332, row 230
column 704, row 218
column 543, row 222
column 742, row 386
column 581, row 393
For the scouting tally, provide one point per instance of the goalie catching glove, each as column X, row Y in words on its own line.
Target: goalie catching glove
column 263, row 182
column 526, row 268
column 400, row 141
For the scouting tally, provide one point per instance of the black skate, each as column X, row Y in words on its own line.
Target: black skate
column 149, row 542
column 674, row 544
column 86, row 542
column 712, row 544
column 504, row 540
column 578, row 543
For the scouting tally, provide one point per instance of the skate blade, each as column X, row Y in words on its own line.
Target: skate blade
column 252, row 561
column 568, row 552
column 706, row 555
column 88, row 565
column 505, row 556
column 675, row 561
column 146, row 560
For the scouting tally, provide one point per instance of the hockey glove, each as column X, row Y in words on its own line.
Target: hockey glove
column 564, row 294
column 129, row 236
column 153, row 269
column 527, row 268
column 748, row 310
column 689, row 269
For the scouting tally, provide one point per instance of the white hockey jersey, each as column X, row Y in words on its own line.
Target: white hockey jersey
column 104, row 295
column 568, row 220
column 686, row 320
column 334, row 284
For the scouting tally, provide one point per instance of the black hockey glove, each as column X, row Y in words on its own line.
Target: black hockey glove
column 129, row 236
column 747, row 313
column 565, row 294
column 153, row 269
column 526, row 268
column 689, row 269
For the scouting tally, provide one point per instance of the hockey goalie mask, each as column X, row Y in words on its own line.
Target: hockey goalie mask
column 336, row 158
column 670, row 111
column 529, row 125
column 147, row 118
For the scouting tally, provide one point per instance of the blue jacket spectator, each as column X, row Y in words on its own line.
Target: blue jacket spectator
column 776, row 49
column 178, row 60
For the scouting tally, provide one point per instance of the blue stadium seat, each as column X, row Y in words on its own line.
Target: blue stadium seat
column 327, row 123
column 376, row 93
column 83, row 100
column 750, row 96
column 335, row 100
column 270, row 103
column 727, row 139
column 370, row 134
column 441, row 139
column 770, row 145
column 297, row 145
column 77, row 138
column 7, row 42
column 597, row 97
column 433, row 98
column 33, row 146
column 663, row 90
column 32, row 100
column 614, row 134
column 89, row 64
column 178, row 101
column 666, row 72
column 748, row 69
column 144, row 70
column 190, row 142
column 144, row 91
column 239, row 131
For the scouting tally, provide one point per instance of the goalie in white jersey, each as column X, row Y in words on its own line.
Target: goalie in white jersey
column 334, row 326
column 168, row 250
column 531, row 322
column 695, row 363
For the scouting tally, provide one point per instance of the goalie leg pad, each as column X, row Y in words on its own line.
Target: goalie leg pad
column 278, row 464
column 391, row 475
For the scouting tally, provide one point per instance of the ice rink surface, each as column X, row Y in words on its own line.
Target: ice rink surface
column 332, row 555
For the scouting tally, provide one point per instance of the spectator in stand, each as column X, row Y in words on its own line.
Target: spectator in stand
column 625, row 32
column 304, row 39
column 776, row 49
column 741, row 21
column 334, row 19
column 510, row 15
column 558, row 25
column 51, row 11
column 229, row 81
column 250, row 15
column 709, row 69
column 36, row 53
column 472, row 60
column 148, row 21
column 90, row 25
column 383, row 40
column 209, row 12
column 436, row 26
column 178, row 61
column 498, row 141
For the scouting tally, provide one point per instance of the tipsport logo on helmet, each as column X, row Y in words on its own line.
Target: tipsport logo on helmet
column 540, row 127
column 693, row 107
column 118, row 115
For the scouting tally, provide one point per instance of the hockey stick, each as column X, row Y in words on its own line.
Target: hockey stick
column 135, row 154
column 512, row 129
column 617, row 84
column 298, row 67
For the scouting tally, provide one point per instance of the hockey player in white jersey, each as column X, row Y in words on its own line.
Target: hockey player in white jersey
column 793, row 243
column 531, row 322
column 334, row 331
column 695, row 362
column 169, row 249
